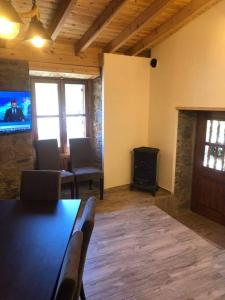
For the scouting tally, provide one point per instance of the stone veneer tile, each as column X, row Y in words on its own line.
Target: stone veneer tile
column 15, row 149
column 97, row 118
column 184, row 158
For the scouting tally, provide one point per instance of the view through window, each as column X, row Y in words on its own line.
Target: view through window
column 60, row 110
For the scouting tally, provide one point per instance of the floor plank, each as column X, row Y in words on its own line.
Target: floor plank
column 139, row 252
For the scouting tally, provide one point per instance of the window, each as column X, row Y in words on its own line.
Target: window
column 214, row 153
column 59, row 110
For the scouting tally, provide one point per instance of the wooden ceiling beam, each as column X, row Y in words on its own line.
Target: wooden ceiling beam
column 186, row 14
column 60, row 54
column 79, row 71
column 99, row 25
column 153, row 11
column 60, row 17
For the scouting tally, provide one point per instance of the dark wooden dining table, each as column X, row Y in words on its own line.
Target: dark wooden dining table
column 33, row 240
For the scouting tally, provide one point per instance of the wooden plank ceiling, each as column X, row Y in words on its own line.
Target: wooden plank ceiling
column 116, row 26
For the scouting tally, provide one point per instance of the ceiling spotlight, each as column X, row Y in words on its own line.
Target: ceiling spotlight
column 9, row 21
column 36, row 33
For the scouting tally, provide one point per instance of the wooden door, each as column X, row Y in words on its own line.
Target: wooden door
column 208, row 188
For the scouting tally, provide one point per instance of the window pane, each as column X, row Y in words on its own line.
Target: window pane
column 76, row 127
column 75, row 98
column 47, row 99
column 48, row 128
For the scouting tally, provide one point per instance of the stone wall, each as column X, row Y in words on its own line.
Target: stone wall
column 186, row 132
column 97, row 118
column 15, row 149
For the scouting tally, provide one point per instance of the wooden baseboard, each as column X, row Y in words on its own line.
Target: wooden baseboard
column 127, row 187
column 118, row 188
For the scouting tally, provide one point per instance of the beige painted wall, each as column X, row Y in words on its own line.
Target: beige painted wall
column 126, row 114
column 190, row 72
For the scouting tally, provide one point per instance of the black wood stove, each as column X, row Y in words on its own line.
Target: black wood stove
column 144, row 169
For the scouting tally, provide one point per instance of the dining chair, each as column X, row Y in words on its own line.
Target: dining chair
column 83, row 164
column 40, row 185
column 47, row 158
column 85, row 225
column 68, row 279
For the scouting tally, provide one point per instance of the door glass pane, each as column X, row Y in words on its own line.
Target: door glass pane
column 214, row 131
column 206, row 156
column 219, row 159
column 221, row 138
column 48, row 128
column 47, row 102
column 75, row 98
column 76, row 127
column 208, row 131
column 212, row 152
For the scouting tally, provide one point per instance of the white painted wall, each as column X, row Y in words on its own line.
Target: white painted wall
column 126, row 114
column 191, row 73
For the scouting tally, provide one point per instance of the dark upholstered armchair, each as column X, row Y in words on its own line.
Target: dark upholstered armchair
column 47, row 156
column 39, row 185
column 68, row 280
column 83, row 164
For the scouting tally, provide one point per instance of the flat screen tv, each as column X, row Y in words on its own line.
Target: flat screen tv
column 15, row 111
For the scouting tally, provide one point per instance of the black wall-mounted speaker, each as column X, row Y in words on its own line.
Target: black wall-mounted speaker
column 153, row 62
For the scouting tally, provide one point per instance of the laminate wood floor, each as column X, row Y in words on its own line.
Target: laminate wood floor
column 139, row 252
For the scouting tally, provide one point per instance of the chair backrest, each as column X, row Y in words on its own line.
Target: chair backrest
column 40, row 185
column 86, row 225
column 81, row 153
column 68, row 279
column 47, row 154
